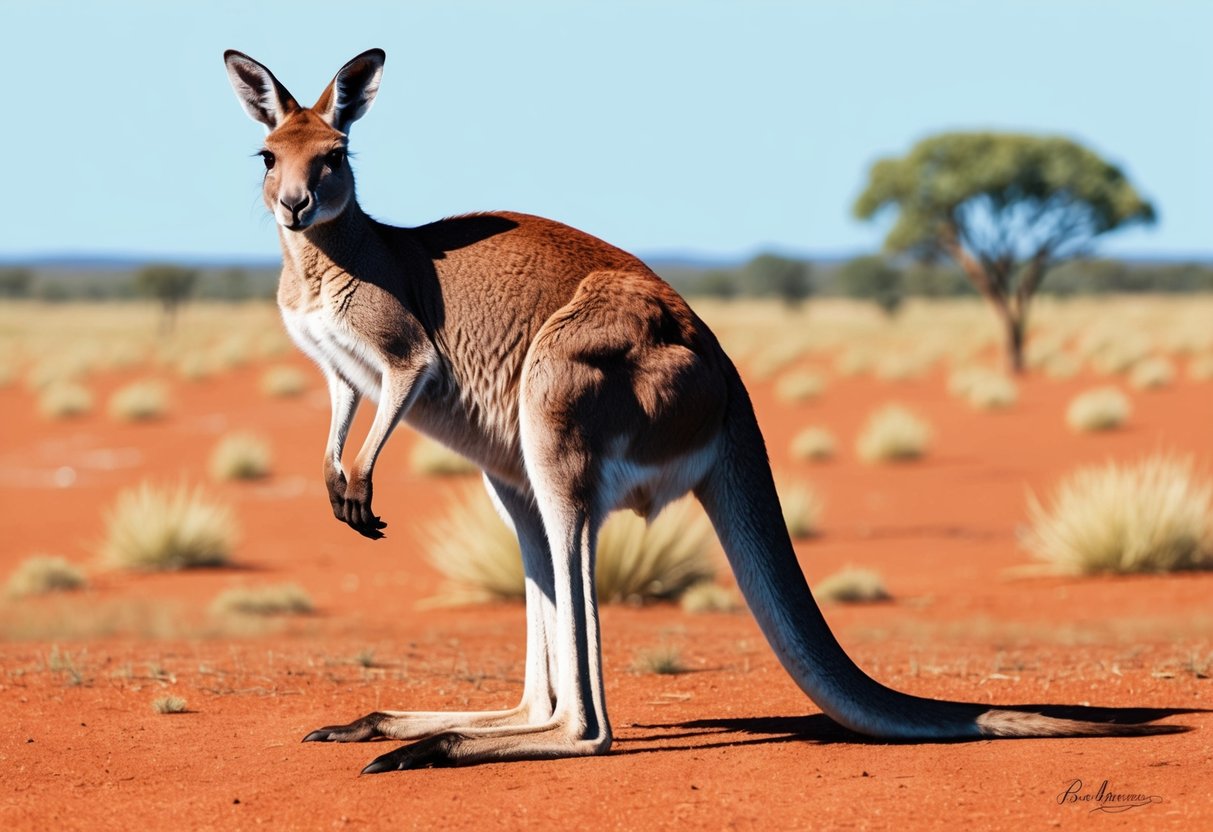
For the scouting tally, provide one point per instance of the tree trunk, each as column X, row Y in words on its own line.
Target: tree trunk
column 1014, row 325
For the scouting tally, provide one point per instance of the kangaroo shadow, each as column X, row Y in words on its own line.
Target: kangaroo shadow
column 820, row 729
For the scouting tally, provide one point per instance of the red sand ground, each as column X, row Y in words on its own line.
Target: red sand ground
column 731, row 744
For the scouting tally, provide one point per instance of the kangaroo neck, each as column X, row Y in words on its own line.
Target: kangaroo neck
column 347, row 244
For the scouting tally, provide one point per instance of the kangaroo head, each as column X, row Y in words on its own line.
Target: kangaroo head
column 307, row 173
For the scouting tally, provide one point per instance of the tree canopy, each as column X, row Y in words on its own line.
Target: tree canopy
column 1004, row 207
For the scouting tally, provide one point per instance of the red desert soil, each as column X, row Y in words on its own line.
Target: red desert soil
column 730, row 744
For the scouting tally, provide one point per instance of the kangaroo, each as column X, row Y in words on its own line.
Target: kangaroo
column 580, row 383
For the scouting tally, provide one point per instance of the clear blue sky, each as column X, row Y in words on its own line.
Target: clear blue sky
column 715, row 128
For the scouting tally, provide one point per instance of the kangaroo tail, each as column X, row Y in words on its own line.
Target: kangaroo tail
column 740, row 498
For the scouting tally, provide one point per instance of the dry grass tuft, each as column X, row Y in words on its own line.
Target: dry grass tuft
column 65, row 400
column 636, row 562
column 852, row 586
column 1104, row 408
column 283, row 381
column 665, row 660
column 893, row 434
column 814, row 444
column 153, row 528
column 169, row 705
column 1152, row 373
column 283, row 599
column 801, row 509
column 1152, row 516
column 1200, row 367
column 799, row 386
column 993, row 392
column 139, row 401
column 43, row 574
column 240, row 456
column 708, row 597
column 433, row 459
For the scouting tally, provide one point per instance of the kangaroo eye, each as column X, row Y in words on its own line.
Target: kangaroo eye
column 334, row 158
column 268, row 158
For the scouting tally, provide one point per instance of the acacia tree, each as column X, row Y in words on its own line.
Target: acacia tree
column 781, row 277
column 875, row 279
column 1004, row 207
column 168, row 284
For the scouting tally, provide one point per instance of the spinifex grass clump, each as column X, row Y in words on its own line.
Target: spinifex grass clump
column 801, row 508
column 636, row 562
column 154, row 528
column 283, row 599
column 64, row 400
column 240, row 456
column 1104, row 408
column 283, row 381
column 1152, row 516
column 893, row 434
column 139, row 401
column 852, row 586
column 433, row 459
column 44, row 574
column 814, row 444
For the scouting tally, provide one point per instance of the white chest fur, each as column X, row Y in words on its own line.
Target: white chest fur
column 336, row 348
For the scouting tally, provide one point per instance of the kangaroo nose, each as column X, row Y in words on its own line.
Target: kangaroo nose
column 297, row 207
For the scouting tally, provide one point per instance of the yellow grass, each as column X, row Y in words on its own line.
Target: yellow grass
column 1103, row 408
column 240, row 456
column 282, row 599
column 1152, row 373
column 283, row 381
column 893, row 434
column 851, row 586
column 151, row 528
column 1155, row 515
column 139, row 401
column 44, row 574
column 433, row 459
column 802, row 509
column 814, row 444
column 636, row 562
column 65, row 400
column 799, row 386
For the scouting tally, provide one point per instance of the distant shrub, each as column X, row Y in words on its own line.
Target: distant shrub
column 433, row 459
column 1062, row 365
column 284, row 599
column 801, row 509
column 893, row 434
column 1200, row 367
column 1103, row 408
column 169, row 705
column 240, row 456
column 139, row 401
column 153, row 528
column 1152, row 373
column 799, row 386
column 852, row 586
column 283, row 381
column 65, row 400
column 662, row 661
column 993, row 392
column 1152, row 516
column 708, row 597
column 636, row 561
column 44, row 574
column 814, row 444
column 195, row 366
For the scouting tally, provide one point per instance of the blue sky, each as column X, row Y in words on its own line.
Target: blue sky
column 709, row 128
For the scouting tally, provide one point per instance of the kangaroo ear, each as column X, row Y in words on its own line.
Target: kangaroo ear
column 263, row 98
column 352, row 91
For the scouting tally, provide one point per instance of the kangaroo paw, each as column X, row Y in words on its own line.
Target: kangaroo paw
column 360, row 730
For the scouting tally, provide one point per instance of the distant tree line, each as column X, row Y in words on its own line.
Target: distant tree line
column 888, row 281
column 166, row 283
